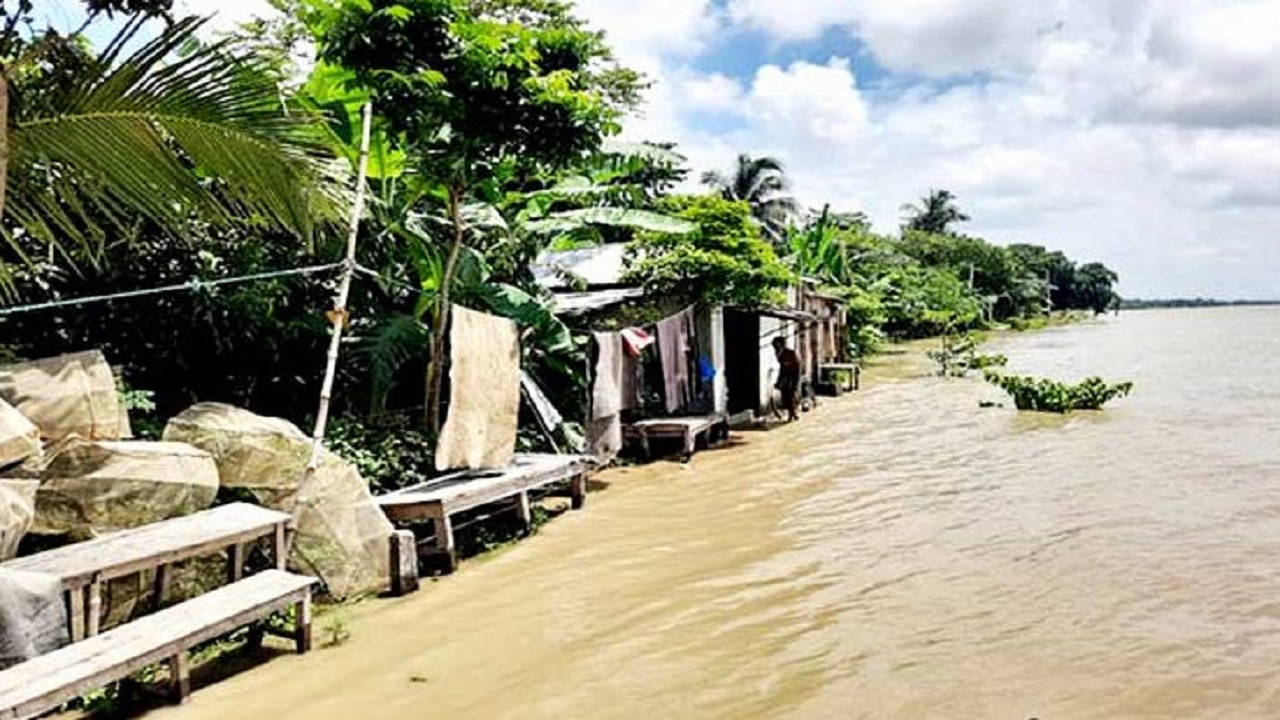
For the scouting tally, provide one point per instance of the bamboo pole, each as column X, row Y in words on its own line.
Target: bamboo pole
column 339, row 314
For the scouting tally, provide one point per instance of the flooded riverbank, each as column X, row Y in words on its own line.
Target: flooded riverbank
column 899, row 553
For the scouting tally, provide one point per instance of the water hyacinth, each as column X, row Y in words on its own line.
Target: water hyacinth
column 1045, row 395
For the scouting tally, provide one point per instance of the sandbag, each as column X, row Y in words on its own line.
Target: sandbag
column 33, row 617
column 17, row 512
column 88, row 488
column 479, row 432
column 262, row 457
column 19, row 437
column 67, row 395
column 342, row 536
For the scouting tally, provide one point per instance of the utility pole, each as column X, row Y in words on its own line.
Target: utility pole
column 1049, row 287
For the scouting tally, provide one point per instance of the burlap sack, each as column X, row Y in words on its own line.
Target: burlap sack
column 19, row 437
column 484, row 393
column 88, row 488
column 67, row 395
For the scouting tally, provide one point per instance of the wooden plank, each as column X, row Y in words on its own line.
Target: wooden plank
column 235, row 562
column 161, row 587
column 540, row 471
column 94, row 610
column 404, row 563
column 45, row 682
column 578, row 491
column 524, row 510
column 179, row 677
column 142, row 548
column 280, row 544
column 76, row 613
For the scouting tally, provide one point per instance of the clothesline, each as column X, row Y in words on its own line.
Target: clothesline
column 189, row 286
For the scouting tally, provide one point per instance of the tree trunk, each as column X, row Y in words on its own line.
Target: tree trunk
column 435, row 369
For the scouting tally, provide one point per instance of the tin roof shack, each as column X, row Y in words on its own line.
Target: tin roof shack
column 591, row 296
column 826, row 338
column 811, row 323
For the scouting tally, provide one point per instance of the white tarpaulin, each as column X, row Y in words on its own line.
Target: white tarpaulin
column 484, row 393
column 33, row 618
column 67, row 395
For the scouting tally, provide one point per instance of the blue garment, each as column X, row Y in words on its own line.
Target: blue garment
column 706, row 369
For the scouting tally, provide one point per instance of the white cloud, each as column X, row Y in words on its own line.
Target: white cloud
column 1143, row 133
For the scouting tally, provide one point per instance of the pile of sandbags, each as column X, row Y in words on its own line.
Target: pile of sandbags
column 67, row 395
column 88, row 487
column 342, row 535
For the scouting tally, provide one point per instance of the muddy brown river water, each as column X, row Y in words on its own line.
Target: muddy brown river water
column 897, row 554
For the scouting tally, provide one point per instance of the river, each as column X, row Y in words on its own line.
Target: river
column 900, row 553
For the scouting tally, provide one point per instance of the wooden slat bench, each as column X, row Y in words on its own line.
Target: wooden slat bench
column 685, row 429
column 852, row 371
column 84, row 567
column 439, row 499
column 46, row 682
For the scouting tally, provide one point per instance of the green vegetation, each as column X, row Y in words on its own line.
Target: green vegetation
column 958, row 355
column 724, row 261
column 1044, row 395
column 177, row 160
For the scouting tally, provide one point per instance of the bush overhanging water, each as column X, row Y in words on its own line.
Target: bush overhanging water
column 1045, row 395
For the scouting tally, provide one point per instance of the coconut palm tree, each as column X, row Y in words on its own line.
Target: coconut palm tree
column 762, row 183
column 935, row 213
column 170, row 133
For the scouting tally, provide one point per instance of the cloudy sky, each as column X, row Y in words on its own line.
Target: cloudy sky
column 1142, row 133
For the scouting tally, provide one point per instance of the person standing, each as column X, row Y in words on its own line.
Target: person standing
column 788, row 378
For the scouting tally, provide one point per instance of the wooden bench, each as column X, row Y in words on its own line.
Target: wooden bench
column 46, row 682
column 84, row 567
column 853, row 372
column 686, row 429
column 439, row 499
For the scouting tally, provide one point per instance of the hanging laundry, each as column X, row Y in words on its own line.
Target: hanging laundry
column 636, row 340
column 604, row 431
column 673, row 347
column 706, row 370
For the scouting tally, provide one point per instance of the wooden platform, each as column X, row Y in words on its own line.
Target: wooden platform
column 686, row 429
column 44, row 683
column 84, row 567
column 439, row 499
column 853, row 371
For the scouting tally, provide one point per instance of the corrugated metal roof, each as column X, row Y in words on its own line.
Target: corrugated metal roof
column 577, row 303
column 600, row 265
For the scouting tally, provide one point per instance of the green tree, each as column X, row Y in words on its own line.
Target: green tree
column 762, row 183
column 1095, row 288
column 481, row 93
column 724, row 260
column 169, row 131
column 936, row 212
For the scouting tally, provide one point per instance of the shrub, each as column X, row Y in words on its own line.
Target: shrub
column 1044, row 395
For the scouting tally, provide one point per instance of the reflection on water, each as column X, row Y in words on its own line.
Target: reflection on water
column 901, row 553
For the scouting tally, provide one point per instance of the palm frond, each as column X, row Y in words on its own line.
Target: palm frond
column 169, row 140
